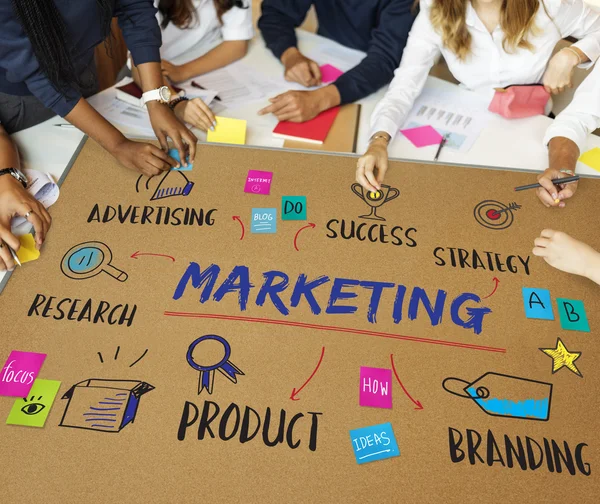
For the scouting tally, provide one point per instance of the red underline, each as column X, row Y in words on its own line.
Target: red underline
column 336, row 329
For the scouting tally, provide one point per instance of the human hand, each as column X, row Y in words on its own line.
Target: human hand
column 15, row 200
column 175, row 73
column 371, row 167
column 550, row 194
column 297, row 106
column 300, row 69
column 559, row 73
column 197, row 113
column 166, row 125
column 145, row 158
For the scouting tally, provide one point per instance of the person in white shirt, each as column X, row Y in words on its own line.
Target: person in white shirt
column 219, row 30
column 487, row 44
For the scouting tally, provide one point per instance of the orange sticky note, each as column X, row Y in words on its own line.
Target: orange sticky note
column 27, row 252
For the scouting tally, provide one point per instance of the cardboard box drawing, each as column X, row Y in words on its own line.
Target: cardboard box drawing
column 103, row 405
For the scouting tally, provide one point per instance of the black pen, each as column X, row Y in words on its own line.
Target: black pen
column 560, row 181
column 196, row 85
column 442, row 143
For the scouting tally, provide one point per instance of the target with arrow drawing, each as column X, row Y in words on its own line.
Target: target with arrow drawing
column 495, row 215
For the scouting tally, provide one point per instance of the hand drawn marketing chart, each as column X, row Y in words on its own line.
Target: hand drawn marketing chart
column 261, row 329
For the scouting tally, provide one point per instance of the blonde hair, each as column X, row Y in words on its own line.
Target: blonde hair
column 516, row 19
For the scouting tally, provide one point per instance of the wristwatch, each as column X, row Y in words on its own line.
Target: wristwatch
column 162, row 95
column 18, row 174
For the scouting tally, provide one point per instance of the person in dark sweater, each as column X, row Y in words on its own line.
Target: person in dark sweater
column 378, row 27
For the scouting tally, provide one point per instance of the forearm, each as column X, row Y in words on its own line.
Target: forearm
column 563, row 154
column 225, row 53
column 593, row 270
column 94, row 125
column 9, row 157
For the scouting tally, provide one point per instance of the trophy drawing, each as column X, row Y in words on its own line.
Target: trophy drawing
column 375, row 199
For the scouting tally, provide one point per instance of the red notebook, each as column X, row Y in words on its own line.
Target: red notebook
column 313, row 131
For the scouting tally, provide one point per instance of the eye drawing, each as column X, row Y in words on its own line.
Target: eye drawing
column 33, row 408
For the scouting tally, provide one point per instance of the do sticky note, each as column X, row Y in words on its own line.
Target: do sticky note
column 572, row 315
column 329, row 73
column 19, row 372
column 33, row 410
column 538, row 304
column 423, row 136
column 231, row 131
column 174, row 153
column 375, row 387
column 373, row 443
column 263, row 220
column 591, row 158
column 27, row 252
column 293, row 208
column 258, row 182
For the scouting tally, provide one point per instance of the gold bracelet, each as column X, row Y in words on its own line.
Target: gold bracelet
column 575, row 53
column 385, row 136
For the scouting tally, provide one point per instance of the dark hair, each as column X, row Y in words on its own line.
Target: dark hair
column 49, row 38
column 183, row 14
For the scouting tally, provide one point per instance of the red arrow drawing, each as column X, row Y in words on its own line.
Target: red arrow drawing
column 418, row 405
column 137, row 254
column 310, row 225
column 296, row 392
column 237, row 218
column 496, row 281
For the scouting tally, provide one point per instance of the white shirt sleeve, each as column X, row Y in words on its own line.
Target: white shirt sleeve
column 582, row 116
column 575, row 19
column 420, row 53
column 237, row 23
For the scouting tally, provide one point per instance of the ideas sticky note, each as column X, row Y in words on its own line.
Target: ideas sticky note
column 375, row 387
column 227, row 130
column 329, row 73
column 258, row 182
column 27, row 252
column 591, row 158
column 263, row 220
column 373, row 443
column 33, row 410
column 572, row 315
column 174, row 153
column 293, row 208
column 422, row 136
column 19, row 372
column 538, row 304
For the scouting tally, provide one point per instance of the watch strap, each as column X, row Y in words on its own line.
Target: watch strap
column 17, row 174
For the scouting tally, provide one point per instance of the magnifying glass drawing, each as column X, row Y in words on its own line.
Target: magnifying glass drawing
column 89, row 259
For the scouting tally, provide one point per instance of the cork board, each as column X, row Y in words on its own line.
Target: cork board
column 346, row 293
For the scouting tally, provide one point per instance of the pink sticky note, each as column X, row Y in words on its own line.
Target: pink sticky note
column 329, row 73
column 258, row 182
column 423, row 136
column 19, row 372
column 375, row 387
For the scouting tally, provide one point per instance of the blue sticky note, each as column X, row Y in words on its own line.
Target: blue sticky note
column 373, row 443
column 293, row 208
column 263, row 220
column 174, row 153
column 572, row 315
column 538, row 304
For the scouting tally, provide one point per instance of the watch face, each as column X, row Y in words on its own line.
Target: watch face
column 165, row 94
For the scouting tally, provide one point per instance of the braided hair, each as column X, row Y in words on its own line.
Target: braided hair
column 49, row 38
column 183, row 14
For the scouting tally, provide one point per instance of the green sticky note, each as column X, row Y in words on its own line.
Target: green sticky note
column 33, row 410
column 293, row 208
column 572, row 315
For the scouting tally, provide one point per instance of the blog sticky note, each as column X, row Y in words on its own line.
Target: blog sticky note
column 27, row 252
column 229, row 131
column 33, row 410
column 263, row 220
column 572, row 315
column 174, row 153
column 258, row 182
column 19, row 372
column 373, row 443
column 329, row 73
column 538, row 304
column 293, row 208
column 591, row 158
column 423, row 136
column 375, row 387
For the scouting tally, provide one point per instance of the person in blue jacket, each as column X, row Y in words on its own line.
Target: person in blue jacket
column 47, row 67
column 377, row 27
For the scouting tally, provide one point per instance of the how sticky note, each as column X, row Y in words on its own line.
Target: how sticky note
column 227, row 130
column 33, row 410
column 423, row 136
column 375, row 387
column 538, row 304
column 591, row 158
column 293, row 208
column 329, row 73
column 263, row 220
column 27, row 252
column 174, row 153
column 572, row 315
column 373, row 443
column 258, row 182
column 19, row 372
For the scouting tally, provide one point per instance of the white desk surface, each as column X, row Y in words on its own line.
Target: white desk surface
column 512, row 144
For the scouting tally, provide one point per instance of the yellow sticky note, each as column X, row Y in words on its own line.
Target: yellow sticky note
column 27, row 252
column 227, row 130
column 591, row 158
